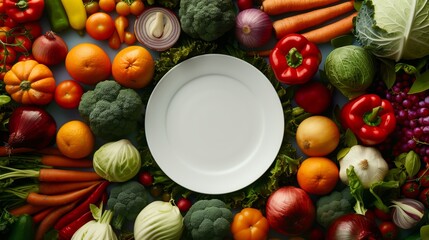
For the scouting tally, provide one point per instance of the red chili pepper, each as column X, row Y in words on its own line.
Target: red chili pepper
column 24, row 10
column 83, row 207
column 67, row 232
column 369, row 117
column 294, row 59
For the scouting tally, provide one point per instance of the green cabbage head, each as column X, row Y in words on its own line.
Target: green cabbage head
column 350, row 69
column 117, row 161
column 394, row 29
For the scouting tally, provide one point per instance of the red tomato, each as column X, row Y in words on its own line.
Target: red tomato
column 23, row 44
column 145, row 178
column 388, row 230
column 244, row 4
column 423, row 176
column 410, row 190
column 5, row 35
column 313, row 97
column 92, row 7
column 27, row 56
column 68, row 94
column 383, row 215
column 100, row 26
column 7, row 55
column 4, row 69
column 33, row 29
column 184, row 204
column 424, row 197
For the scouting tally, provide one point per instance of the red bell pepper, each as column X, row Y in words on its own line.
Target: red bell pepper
column 24, row 10
column 294, row 59
column 369, row 117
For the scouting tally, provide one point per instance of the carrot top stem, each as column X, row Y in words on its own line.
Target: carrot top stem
column 18, row 173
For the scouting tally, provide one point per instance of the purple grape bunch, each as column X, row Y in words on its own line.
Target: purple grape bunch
column 412, row 116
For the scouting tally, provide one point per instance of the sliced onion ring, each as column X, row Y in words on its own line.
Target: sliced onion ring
column 145, row 22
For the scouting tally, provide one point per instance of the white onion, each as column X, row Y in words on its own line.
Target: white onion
column 253, row 28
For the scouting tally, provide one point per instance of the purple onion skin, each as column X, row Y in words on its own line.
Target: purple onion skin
column 253, row 28
column 353, row 226
column 31, row 127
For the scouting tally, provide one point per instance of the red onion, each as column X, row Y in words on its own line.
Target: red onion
column 31, row 127
column 253, row 28
column 157, row 28
column 290, row 211
column 49, row 49
column 407, row 212
column 353, row 226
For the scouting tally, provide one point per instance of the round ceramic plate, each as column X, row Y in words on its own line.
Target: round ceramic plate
column 214, row 124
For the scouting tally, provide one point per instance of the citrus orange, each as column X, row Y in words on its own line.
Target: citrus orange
column 75, row 139
column 318, row 175
column 317, row 136
column 133, row 67
column 88, row 63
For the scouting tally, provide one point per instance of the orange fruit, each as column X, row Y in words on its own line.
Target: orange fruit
column 88, row 63
column 317, row 136
column 318, row 175
column 133, row 67
column 75, row 139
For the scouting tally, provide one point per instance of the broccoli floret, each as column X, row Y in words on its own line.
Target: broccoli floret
column 207, row 219
column 111, row 110
column 207, row 19
column 334, row 205
column 126, row 200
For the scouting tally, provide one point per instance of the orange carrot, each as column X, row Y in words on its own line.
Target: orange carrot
column 275, row 7
column 58, row 199
column 6, row 151
column 48, row 222
column 260, row 53
column 63, row 161
column 327, row 33
column 299, row 22
column 26, row 209
column 53, row 188
column 49, row 151
column 65, row 175
column 38, row 217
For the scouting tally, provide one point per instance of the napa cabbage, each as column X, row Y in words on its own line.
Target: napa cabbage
column 396, row 30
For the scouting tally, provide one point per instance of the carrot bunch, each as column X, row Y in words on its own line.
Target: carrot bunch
column 51, row 188
column 318, row 20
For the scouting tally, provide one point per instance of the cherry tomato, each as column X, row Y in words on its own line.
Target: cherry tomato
column 68, row 94
column 388, row 230
column 166, row 197
column 107, row 5
column 122, row 8
column 136, row 7
column 423, row 177
column 100, row 26
column 33, row 29
column 244, row 4
column 3, row 70
column 424, row 197
column 314, row 97
column 23, row 43
column 410, row 190
column 156, row 191
column 130, row 38
column 5, row 34
column 92, row 7
column 145, row 178
column 7, row 55
column 370, row 215
column 9, row 22
column 184, row 204
column 380, row 214
column 26, row 56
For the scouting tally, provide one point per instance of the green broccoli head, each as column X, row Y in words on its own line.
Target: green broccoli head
column 111, row 110
column 206, row 19
column 207, row 218
column 334, row 205
column 126, row 200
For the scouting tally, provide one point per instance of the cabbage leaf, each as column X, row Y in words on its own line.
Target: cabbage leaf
column 394, row 29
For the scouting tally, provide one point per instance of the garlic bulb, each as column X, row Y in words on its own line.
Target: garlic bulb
column 369, row 165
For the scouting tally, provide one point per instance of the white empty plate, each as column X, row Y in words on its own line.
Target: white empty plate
column 214, row 124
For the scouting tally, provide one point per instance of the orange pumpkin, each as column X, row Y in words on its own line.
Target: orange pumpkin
column 249, row 224
column 31, row 83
